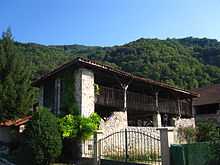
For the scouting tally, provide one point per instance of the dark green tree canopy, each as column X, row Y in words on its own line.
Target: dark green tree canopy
column 42, row 142
column 16, row 94
column 187, row 63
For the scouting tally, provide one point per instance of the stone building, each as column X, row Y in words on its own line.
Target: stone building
column 120, row 98
column 207, row 106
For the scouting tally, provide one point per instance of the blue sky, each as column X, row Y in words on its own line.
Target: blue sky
column 108, row 22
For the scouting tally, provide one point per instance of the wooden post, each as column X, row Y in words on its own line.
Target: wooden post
column 125, row 97
column 156, row 101
column 179, row 108
column 157, row 116
column 157, row 120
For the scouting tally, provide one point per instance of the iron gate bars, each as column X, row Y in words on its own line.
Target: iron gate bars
column 131, row 146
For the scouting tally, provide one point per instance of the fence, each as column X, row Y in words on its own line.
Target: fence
column 115, row 98
column 88, row 148
column 131, row 146
column 190, row 154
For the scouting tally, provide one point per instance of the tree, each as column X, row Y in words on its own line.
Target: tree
column 42, row 141
column 16, row 94
column 207, row 131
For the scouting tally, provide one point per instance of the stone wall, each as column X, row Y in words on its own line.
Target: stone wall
column 84, row 91
column 176, row 136
column 116, row 122
column 184, row 122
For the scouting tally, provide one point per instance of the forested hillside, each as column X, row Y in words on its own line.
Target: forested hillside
column 187, row 63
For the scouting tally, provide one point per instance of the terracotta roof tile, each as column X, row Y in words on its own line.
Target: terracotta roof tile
column 16, row 122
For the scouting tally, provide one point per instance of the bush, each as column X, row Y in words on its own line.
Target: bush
column 79, row 127
column 75, row 129
column 187, row 134
column 42, row 141
column 215, row 150
column 207, row 131
column 203, row 132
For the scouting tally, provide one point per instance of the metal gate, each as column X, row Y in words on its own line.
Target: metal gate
column 131, row 146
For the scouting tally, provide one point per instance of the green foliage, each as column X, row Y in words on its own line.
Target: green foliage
column 42, row 141
column 187, row 63
column 188, row 134
column 207, row 131
column 203, row 132
column 163, row 60
column 97, row 89
column 215, row 150
column 68, row 102
column 16, row 94
column 134, row 156
column 96, row 119
column 78, row 127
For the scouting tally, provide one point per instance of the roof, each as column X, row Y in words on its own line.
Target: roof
column 16, row 122
column 91, row 64
column 208, row 95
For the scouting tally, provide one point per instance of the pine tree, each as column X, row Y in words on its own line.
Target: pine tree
column 16, row 94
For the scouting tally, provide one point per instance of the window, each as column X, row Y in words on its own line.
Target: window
column 49, row 92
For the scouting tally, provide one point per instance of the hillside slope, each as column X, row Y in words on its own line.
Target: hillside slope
column 187, row 63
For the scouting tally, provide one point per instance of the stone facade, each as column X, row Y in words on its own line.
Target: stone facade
column 157, row 120
column 183, row 122
column 175, row 137
column 116, row 122
column 84, row 91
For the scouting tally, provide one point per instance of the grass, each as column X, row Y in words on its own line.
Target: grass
column 146, row 157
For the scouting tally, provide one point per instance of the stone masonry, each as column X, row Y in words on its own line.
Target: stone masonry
column 84, row 91
column 183, row 122
column 116, row 122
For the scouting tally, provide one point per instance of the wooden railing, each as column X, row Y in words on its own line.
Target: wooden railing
column 115, row 98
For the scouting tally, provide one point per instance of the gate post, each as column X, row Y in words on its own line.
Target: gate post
column 96, row 148
column 164, row 144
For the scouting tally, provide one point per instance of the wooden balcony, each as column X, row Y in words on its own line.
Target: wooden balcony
column 112, row 97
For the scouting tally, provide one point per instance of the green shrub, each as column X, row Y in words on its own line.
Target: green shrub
column 207, row 131
column 42, row 141
column 75, row 129
column 79, row 127
column 187, row 134
column 215, row 150
column 203, row 132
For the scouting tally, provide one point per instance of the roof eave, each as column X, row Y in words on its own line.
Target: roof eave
column 38, row 82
